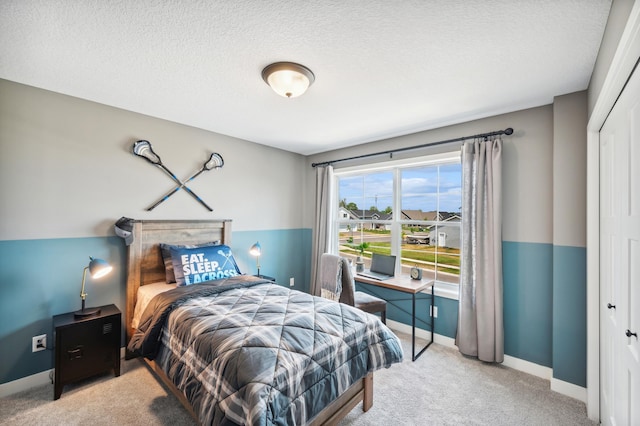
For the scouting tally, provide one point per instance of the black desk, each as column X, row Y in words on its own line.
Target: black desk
column 405, row 284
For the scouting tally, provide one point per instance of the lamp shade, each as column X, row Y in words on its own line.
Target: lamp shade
column 256, row 249
column 288, row 79
column 99, row 268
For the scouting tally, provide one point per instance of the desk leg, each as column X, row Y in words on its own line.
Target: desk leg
column 413, row 327
column 433, row 319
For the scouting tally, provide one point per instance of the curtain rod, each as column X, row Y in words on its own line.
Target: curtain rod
column 506, row 131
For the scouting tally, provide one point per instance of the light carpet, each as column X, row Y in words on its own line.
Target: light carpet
column 441, row 388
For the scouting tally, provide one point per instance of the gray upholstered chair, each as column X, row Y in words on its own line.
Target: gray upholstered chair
column 337, row 283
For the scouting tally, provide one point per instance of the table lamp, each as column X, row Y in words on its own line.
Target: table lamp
column 97, row 268
column 256, row 250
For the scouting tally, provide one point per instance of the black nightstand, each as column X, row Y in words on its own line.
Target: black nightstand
column 86, row 346
column 265, row 277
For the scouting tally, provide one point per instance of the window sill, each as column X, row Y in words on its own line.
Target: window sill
column 447, row 290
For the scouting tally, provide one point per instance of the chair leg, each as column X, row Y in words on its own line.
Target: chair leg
column 383, row 317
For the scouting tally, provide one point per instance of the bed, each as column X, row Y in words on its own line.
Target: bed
column 339, row 382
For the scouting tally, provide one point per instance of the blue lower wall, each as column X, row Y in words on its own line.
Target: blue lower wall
column 285, row 254
column 42, row 278
column 528, row 301
column 570, row 314
column 399, row 309
column 544, row 295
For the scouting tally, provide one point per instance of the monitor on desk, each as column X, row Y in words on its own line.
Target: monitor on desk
column 382, row 267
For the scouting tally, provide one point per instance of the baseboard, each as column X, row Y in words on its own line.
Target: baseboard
column 569, row 389
column 38, row 379
column 546, row 373
column 528, row 367
column 421, row 334
column 19, row 385
column 564, row 388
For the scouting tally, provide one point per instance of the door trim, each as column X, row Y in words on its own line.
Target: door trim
column 621, row 67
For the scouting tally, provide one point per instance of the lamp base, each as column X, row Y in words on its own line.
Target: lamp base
column 86, row 312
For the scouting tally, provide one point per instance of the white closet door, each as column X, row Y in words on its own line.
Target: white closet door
column 620, row 260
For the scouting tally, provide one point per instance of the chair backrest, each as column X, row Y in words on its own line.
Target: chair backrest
column 348, row 295
column 336, row 279
column 330, row 277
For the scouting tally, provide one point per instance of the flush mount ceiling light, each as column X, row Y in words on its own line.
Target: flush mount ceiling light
column 288, row 79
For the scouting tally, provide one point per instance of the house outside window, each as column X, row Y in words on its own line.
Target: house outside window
column 408, row 208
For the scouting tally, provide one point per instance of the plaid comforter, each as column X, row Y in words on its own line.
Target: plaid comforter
column 253, row 352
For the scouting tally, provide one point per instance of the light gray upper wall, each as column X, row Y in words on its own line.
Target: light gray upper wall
column 618, row 16
column 66, row 170
column 570, row 170
column 527, row 168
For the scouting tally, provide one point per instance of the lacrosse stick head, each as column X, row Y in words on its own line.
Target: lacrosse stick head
column 143, row 149
column 214, row 162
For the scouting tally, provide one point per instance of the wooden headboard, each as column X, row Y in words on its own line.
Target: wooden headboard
column 144, row 260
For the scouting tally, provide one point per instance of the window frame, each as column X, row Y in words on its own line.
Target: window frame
column 443, row 289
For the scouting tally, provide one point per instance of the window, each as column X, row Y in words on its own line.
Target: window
column 411, row 209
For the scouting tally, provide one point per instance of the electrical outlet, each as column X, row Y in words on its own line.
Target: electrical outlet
column 291, row 282
column 39, row 343
column 433, row 310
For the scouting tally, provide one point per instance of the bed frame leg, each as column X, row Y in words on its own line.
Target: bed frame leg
column 367, row 402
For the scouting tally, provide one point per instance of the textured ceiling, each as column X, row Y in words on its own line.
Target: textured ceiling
column 383, row 68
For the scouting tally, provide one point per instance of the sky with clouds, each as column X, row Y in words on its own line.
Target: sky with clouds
column 427, row 188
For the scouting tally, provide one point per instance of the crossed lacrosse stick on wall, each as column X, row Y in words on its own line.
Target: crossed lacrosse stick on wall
column 143, row 149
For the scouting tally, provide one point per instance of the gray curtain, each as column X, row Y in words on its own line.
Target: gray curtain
column 322, row 225
column 480, row 321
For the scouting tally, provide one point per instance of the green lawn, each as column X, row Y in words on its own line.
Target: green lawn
column 420, row 254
